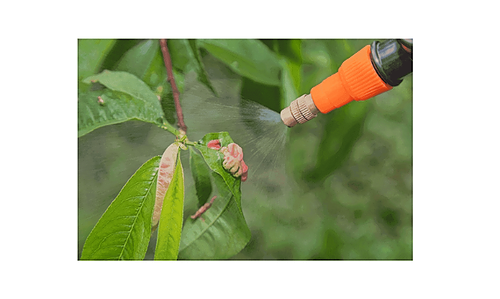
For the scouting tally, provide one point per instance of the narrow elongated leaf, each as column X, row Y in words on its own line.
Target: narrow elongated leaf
column 138, row 59
column 124, row 230
column 116, row 107
column 200, row 69
column 201, row 176
column 186, row 58
column 129, row 84
column 169, row 230
column 224, row 232
column 342, row 131
column 214, row 159
column 247, row 57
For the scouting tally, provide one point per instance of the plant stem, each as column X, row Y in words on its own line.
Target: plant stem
column 171, row 80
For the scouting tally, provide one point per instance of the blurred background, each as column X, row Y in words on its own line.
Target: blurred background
column 336, row 187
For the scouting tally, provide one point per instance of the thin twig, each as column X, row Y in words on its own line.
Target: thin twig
column 170, row 78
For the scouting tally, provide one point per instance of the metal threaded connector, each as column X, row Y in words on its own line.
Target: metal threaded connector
column 300, row 111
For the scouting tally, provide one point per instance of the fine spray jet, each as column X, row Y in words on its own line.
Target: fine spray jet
column 373, row 70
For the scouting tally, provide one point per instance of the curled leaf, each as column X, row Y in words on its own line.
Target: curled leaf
column 165, row 174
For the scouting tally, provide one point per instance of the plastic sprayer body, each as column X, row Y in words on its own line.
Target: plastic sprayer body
column 371, row 71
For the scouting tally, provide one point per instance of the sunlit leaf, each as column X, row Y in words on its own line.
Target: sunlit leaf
column 169, row 230
column 201, row 176
column 124, row 230
column 247, row 57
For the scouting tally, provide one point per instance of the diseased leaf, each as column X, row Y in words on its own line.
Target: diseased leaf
column 124, row 230
column 165, row 175
column 247, row 57
column 169, row 230
column 214, row 159
column 201, row 176
column 116, row 107
column 222, row 235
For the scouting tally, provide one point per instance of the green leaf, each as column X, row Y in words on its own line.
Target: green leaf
column 138, row 59
column 289, row 92
column 291, row 63
column 214, row 159
column 122, row 84
column 169, row 230
column 127, row 83
column 117, row 108
column 200, row 69
column 91, row 53
column 185, row 58
column 341, row 132
column 124, row 230
column 222, row 235
column 249, row 58
column 201, row 176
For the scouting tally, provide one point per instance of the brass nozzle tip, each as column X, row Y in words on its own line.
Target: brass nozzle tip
column 300, row 111
column 287, row 118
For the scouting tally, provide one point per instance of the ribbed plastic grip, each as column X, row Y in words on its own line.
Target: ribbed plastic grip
column 355, row 80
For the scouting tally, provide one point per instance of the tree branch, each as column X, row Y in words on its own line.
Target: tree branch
column 170, row 78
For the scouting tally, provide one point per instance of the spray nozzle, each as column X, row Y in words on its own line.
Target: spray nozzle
column 300, row 111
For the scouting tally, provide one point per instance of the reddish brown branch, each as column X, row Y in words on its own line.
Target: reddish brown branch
column 203, row 209
column 170, row 78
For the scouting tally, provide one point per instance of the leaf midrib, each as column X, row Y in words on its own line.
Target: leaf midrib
column 138, row 213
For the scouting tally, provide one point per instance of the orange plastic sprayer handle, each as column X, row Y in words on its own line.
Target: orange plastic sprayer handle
column 356, row 79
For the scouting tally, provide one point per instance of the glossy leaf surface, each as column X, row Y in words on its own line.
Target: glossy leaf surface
column 169, row 230
column 124, row 230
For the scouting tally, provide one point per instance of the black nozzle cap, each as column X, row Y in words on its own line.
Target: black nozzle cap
column 392, row 59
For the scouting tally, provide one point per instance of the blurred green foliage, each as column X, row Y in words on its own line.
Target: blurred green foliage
column 343, row 189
